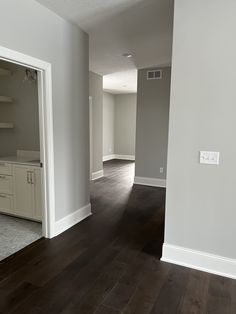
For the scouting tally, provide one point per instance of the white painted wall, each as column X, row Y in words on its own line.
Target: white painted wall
column 125, row 124
column 200, row 206
column 108, row 124
column 119, row 124
column 96, row 92
column 29, row 28
column 23, row 112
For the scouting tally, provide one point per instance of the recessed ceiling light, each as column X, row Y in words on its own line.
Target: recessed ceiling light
column 127, row 55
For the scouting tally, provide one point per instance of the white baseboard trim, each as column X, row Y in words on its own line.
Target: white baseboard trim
column 150, row 181
column 206, row 262
column 97, row 175
column 72, row 219
column 108, row 157
column 116, row 156
column 125, row 157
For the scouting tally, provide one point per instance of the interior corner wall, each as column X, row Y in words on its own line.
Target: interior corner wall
column 28, row 27
column 125, row 124
column 23, row 112
column 200, row 206
column 96, row 92
column 153, row 99
column 108, row 124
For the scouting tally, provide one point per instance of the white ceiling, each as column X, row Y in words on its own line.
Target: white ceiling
column 124, row 82
column 115, row 27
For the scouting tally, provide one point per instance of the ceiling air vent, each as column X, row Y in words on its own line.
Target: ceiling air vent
column 154, row 75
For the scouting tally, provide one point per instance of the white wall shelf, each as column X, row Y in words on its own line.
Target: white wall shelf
column 6, row 125
column 6, row 99
column 5, row 72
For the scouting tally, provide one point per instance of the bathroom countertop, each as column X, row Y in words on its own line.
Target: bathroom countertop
column 20, row 160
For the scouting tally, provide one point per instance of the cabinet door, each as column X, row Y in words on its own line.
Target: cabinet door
column 6, row 204
column 23, row 196
column 5, row 168
column 37, row 193
column 5, row 184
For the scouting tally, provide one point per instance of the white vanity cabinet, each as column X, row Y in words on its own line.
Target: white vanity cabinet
column 6, row 188
column 37, row 192
column 20, row 190
column 6, row 184
column 6, row 204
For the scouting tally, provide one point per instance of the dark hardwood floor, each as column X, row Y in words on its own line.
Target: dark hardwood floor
column 109, row 263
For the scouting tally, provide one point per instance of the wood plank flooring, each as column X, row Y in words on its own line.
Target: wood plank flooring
column 109, row 263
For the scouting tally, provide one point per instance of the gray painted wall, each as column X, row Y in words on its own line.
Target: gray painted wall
column 200, row 209
column 125, row 124
column 96, row 92
column 152, row 124
column 23, row 112
column 108, row 124
column 28, row 27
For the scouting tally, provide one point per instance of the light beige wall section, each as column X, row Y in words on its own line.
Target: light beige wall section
column 29, row 28
column 23, row 112
column 108, row 124
column 201, row 199
column 96, row 92
column 125, row 124
column 153, row 99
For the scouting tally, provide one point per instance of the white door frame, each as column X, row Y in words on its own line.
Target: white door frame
column 91, row 135
column 46, row 132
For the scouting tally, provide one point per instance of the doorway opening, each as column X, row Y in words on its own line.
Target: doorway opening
column 119, row 132
column 112, row 126
column 27, row 203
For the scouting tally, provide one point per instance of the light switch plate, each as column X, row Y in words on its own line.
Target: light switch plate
column 210, row 158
